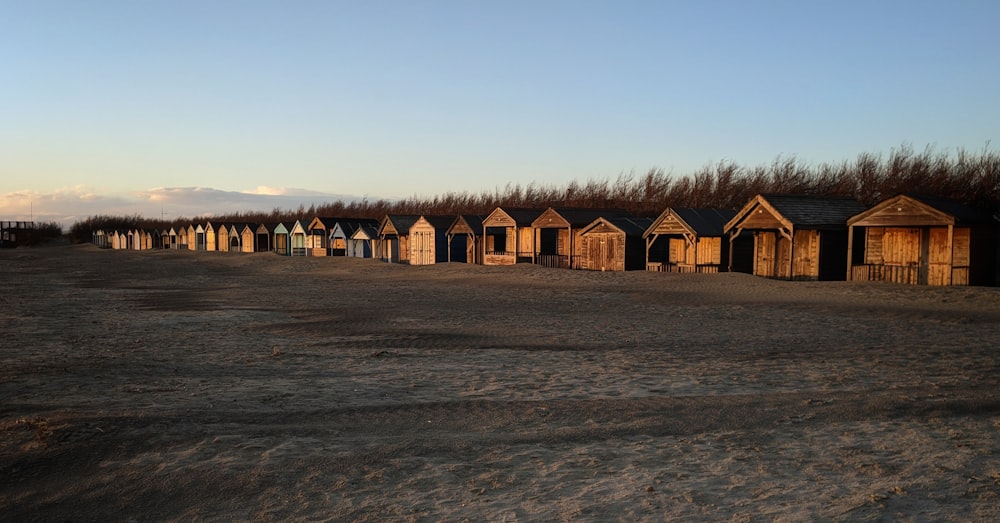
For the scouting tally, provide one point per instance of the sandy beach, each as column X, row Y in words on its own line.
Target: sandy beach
column 167, row 385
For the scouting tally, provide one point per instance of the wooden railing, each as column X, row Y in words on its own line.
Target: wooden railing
column 888, row 273
column 554, row 261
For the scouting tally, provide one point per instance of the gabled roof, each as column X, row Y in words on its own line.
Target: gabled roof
column 439, row 221
column 351, row 225
column 521, row 216
column 400, row 223
column 326, row 221
column 795, row 211
column 579, row 217
column 919, row 210
column 630, row 225
column 365, row 232
column 472, row 222
column 706, row 222
column 964, row 214
column 699, row 222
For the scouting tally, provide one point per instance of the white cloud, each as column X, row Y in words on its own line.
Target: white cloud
column 69, row 205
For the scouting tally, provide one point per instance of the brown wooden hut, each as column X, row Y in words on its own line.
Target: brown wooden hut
column 297, row 238
column 557, row 234
column 465, row 239
column 319, row 229
column 614, row 244
column 688, row 240
column 394, row 236
column 264, row 237
column 339, row 235
column 211, row 236
column 922, row 240
column 508, row 236
column 364, row 242
column 795, row 237
column 429, row 240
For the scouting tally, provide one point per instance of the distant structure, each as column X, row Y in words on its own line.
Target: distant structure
column 13, row 234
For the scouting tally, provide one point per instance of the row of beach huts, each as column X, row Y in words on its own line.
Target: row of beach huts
column 905, row 239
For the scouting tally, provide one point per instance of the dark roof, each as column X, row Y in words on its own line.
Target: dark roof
column 582, row 217
column 328, row 222
column 370, row 230
column 815, row 211
column 631, row 225
column 522, row 216
column 963, row 213
column 351, row 225
column 475, row 221
column 440, row 221
column 705, row 222
column 402, row 222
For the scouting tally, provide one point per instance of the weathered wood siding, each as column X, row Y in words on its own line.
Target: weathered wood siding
column 772, row 254
column 211, row 238
column 805, row 265
column 422, row 243
column 603, row 249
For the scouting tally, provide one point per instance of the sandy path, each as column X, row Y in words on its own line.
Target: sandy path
column 178, row 386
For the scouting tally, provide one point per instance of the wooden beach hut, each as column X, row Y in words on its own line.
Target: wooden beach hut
column 689, row 240
column 280, row 240
column 177, row 238
column 343, row 229
column 222, row 236
column 118, row 240
column 465, row 239
column 100, row 238
column 211, row 237
column 248, row 237
column 192, row 237
column 297, row 238
column 144, row 239
column 235, row 237
column 132, row 239
column 364, row 242
column 200, row 238
column 508, row 236
column 794, row 237
column 264, row 237
column 614, row 244
column 557, row 234
column 429, row 240
column 922, row 240
column 394, row 236
column 318, row 234
column 160, row 239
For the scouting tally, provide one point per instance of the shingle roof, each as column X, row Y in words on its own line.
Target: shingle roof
column 583, row 217
column 705, row 222
column 815, row 211
column 963, row 213
column 439, row 221
column 630, row 225
column 522, row 216
column 474, row 221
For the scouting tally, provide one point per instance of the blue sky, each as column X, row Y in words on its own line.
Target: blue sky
column 213, row 106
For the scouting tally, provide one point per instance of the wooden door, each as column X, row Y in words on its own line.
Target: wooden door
column 806, row 264
column 601, row 252
column 765, row 247
column 422, row 248
column 938, row 257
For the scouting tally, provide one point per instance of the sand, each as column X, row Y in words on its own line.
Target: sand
column 160, row 386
